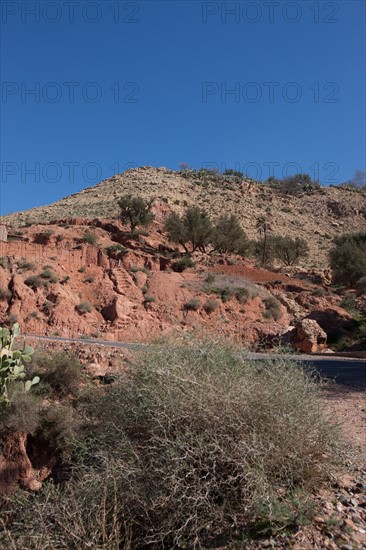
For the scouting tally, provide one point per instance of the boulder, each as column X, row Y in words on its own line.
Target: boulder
column 335, row 321
column 119, row 309
column 309, row 336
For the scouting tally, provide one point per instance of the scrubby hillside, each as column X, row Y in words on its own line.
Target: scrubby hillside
column 74, row 269
column 316, row 214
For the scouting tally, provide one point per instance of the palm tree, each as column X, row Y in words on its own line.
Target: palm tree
column 262, row 225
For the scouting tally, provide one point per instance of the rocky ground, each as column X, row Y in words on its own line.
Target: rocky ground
column 340, row 517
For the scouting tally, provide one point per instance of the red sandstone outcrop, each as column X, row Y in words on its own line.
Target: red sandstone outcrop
column 309, row 336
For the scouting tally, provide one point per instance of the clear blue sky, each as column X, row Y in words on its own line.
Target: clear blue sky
column 121, row 84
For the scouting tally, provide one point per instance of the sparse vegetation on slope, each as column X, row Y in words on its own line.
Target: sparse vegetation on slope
column 291, row 214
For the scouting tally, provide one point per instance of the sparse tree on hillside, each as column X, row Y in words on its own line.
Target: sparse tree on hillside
column 228, row 236
column 287, row 250
column 284, row 249
column 136, row 211
column 194, row 228
column 348, row 258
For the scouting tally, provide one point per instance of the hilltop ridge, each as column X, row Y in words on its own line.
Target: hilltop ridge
column 317, row 215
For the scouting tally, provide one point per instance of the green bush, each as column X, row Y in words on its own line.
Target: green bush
column 273, row 310
column 348, row 259
column 43, row 237
column 243, row 295
column 210, row 306
column 89, row 238
column 149, row 300
column 116, row 248
column 349, row 303
column 361, row 285
column 49, row 275
column 319, row 292
column 192, row 305
column 84, row 307
column 210, row 278
column 25, row 265
column 35, row 281
column 182, row 264
column 295, row 185
column 5, row 294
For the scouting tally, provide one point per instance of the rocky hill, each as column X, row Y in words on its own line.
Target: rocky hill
column 73, row 269
column 316, row 216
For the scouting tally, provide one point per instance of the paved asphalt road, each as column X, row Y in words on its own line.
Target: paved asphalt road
column 351, row 372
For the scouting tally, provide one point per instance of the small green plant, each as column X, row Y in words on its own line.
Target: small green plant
column 35, row 281
column 89, row 280
column 82, row 269
column 182, row 264
column 65, row 280
column 243, row 295
column 25, row 265
column 319, row 292
column 84, row 307
column 349, row 303
column 49, row 275
column 4, row 262
column 149, row 299
column 210, row 278
column 11, row 366
column 35, row 315
column 5, row 295
column 116, row 248
column 89, row 238
column 210, row 306
column 225, row 293
column 272, row 310
column 193, row 305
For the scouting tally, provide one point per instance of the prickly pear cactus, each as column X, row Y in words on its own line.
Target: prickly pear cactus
column 11, row 366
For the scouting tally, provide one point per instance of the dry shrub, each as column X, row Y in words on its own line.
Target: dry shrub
column 60, row 371
column 22, row 415
column 194, row 443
